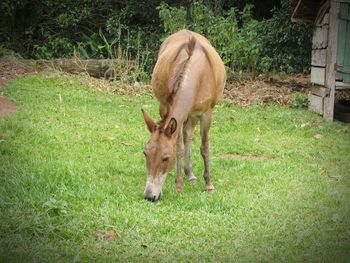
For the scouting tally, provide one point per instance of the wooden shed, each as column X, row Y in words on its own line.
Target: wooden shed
column 330, row 62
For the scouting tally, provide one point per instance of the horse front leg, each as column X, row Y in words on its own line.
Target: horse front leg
column 179, row 155
column 205, row 122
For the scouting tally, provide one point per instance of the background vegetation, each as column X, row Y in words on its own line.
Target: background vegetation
column 249, row 35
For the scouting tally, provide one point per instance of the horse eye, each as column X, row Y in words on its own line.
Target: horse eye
column 144, row 153
column 165, row 159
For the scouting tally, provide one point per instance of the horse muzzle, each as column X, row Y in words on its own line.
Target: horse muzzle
column 154, row 186
column 151, row 196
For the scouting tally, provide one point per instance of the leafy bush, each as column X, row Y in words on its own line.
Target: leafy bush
column 7, row 52
column 299, row 100
column 138, row 42
column 244, row 43
column 286, row 44
column 239, row 47
column 173, row 18
column 54, row 47
column 96, row 29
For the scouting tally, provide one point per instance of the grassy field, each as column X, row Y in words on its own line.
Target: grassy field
column 71, row 164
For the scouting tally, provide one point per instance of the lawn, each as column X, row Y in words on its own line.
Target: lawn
column 71, row 164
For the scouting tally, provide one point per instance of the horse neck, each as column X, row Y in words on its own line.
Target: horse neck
column 184, row 100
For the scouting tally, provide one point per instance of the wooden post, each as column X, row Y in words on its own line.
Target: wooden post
column 331, row 59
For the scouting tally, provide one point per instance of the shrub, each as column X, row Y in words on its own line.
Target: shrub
column 244, row 43
column 54, row 47
column 286, row 44
column 299, row 100
column 239, row 47
column 51, row 29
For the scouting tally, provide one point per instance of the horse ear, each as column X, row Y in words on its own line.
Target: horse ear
column 149, row 122
column 172, row 125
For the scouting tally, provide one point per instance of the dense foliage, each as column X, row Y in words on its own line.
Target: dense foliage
column 247, row 35
column 243, row 42
column 286, row 46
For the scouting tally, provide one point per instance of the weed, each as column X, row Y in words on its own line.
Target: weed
column 121, row 65
column 299, row 100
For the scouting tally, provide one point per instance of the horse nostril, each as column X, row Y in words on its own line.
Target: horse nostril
column 148, row 195
column 149, row 198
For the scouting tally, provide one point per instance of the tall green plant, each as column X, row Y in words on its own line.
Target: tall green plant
column 173, row 18
column 244, row 43
column 239, row 47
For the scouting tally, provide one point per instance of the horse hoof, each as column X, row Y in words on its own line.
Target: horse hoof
column 192, row 179
column 178, row 189
column 210, row 189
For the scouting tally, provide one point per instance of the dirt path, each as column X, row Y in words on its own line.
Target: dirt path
column 9, row 69
column 7, row 106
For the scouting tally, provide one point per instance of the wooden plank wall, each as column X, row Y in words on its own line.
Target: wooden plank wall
column 328, row 111
column 343, row 50
column 319, row 51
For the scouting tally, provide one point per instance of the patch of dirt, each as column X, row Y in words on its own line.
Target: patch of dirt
column 272, row 90
column 7, row 106
column 11, row 68
column 267, row 90
column 110, row 235
column 246, row 157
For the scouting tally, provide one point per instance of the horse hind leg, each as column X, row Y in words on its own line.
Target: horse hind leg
column 187, row 136
column 205, row 122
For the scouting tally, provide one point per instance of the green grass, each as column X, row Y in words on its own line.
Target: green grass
column 71, row 163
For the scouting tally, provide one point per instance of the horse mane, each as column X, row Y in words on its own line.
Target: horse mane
column 177, row 78
column 161, row 124
column 180, row 70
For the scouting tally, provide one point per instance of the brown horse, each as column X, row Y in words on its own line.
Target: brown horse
column 188, row 79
